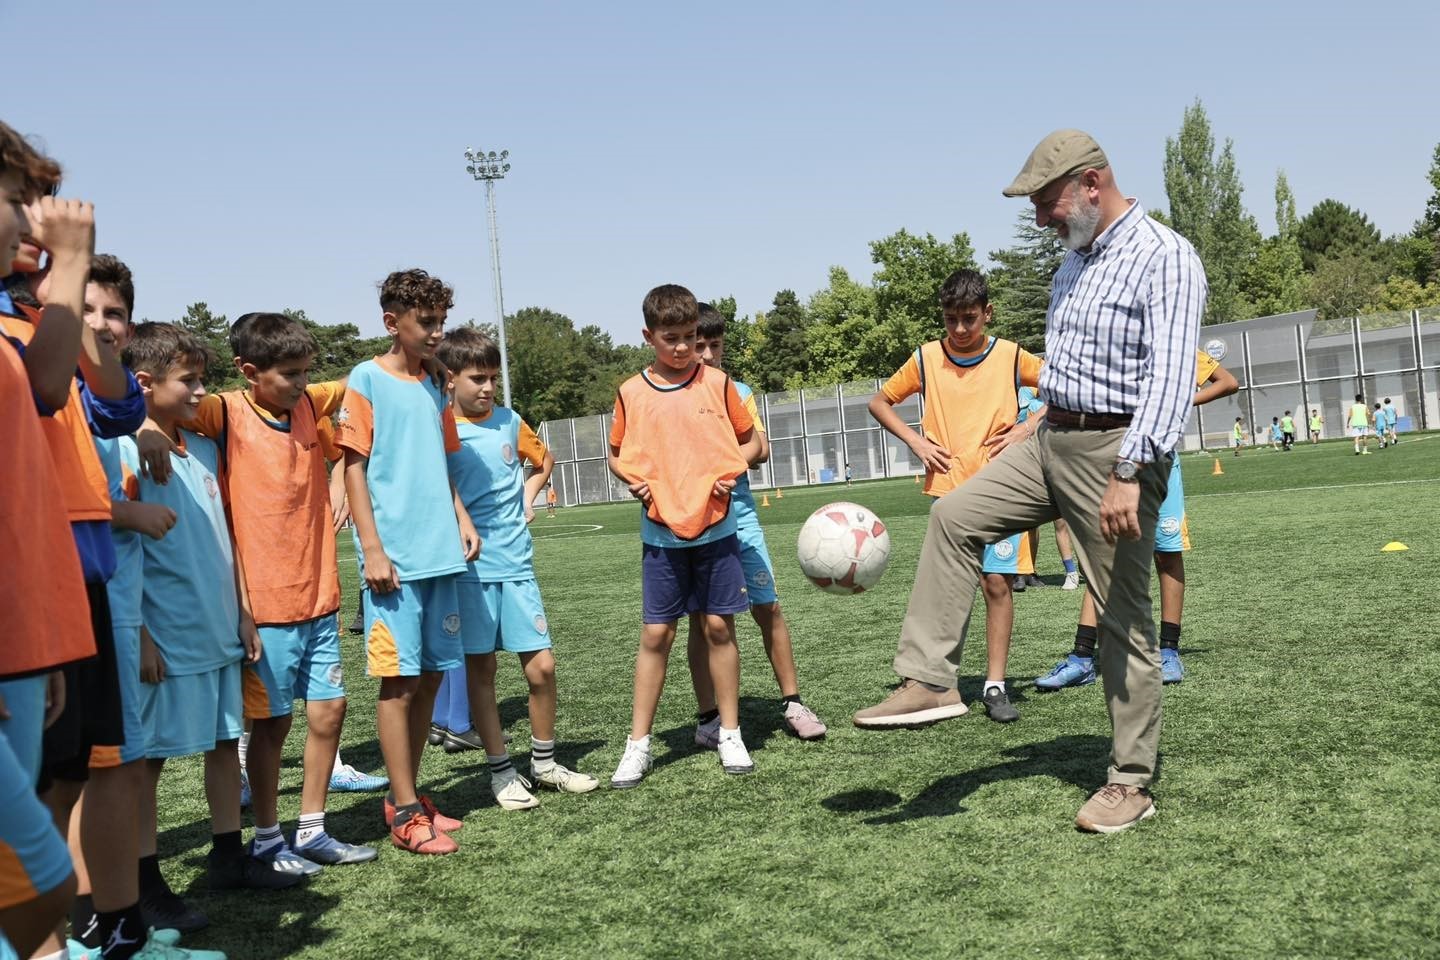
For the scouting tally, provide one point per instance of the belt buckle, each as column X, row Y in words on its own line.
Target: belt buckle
column 1081, row 425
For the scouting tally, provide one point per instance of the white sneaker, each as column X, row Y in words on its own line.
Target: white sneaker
column 565, row 781
column 633, row 766
column 513, row 793
column 1072, row 581
column 707, row 734
column 734, row 758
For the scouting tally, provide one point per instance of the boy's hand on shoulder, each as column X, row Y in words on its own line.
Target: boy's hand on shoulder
column 54, row 697
column 380, row 574
column 250, row 637
column 65, row 228
column 723, row 488
column 641, row 491
column 152, row 664
column 154, row 448
column 152, row 519
column 469, row 538
column 439, row 373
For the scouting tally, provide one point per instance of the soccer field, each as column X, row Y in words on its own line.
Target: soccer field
column 1297, row 798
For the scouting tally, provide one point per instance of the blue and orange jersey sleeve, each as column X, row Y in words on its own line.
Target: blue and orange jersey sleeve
column 1205, row 367
column 209, row 417
column 326, row 397
column 617, row 423
column 355, row 423
column 450, row 430
column 754, row 410
column 740, row 416
column 325, row 433
column 905, row 382
column 1028, row 367
column 532, row 448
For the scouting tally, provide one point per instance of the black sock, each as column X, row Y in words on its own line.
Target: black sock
column 226, row 844
column 83, row 926
column 1085, row 638
column 786, row 701
column 122, row 933
column 151, row 879
column 1169, row 635
column 403, row 814
column 706, row 716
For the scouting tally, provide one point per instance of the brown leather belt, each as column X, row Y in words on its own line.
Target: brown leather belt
column 1057, row 417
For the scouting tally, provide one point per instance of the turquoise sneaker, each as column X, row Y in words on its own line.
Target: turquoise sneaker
column 1073, row 671
column 1171, row 669
column 347, row 779
column 327, row 850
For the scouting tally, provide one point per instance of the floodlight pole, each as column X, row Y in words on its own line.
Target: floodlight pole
column 489, row 167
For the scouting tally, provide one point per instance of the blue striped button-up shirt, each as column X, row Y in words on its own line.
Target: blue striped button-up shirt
column 1121, row 332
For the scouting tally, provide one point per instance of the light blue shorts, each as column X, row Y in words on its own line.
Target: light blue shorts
column 35, row 856
column 1006, row 556
column 502, row 616
column 25, row 699
column 187, row 715
column 127, row 660
column 413, row 630
column 1170, row 527
column 298, row 661
column 755, row 561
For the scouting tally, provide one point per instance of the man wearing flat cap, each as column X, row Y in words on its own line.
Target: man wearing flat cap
column 1120, row 338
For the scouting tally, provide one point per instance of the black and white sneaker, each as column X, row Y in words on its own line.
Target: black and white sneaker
column 998, row 706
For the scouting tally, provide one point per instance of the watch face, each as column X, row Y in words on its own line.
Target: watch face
column 1125, row 470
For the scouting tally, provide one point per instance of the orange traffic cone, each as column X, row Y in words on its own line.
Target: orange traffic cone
column 1219, row 471
column 917, row 478
column 765, row 500
column 779, row 493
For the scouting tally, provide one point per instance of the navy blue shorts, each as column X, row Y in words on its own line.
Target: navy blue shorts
column 676, row 581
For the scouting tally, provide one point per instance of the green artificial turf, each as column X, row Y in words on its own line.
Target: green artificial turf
column 1298, row 791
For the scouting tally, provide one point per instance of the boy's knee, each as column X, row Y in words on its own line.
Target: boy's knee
column 483, row 667
column 540, row 669
column 996, row 586
column 325, row 716
column 1171, row 564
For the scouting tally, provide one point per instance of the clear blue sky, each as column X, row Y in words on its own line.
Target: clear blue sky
column 264, row 155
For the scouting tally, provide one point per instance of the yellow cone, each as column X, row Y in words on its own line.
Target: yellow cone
column 765, row 499
column 917, row 478
column 1394, row 546
column 779, row 493
column 1219, row 471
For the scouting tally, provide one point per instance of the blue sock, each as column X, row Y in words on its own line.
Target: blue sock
column 457, row 714
column 1070, row 566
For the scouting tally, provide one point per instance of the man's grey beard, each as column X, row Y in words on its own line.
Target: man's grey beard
column 1082, row 222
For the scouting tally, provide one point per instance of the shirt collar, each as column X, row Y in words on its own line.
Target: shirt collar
column 1124, row 223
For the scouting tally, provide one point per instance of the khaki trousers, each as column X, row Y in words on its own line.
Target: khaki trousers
column 1058, row 472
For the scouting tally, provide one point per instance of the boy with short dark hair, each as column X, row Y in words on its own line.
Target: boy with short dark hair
column 197, row 617
column 971, row 383
column 500, row 605
column 1237, row 435
column 1377, row 421
column 1359, row 421
column 800, row 720
column 1287, row 429
column 679, row 440
column 1317, row 426
column 1391, row 418
column 413, row 535
column 1276, row 435
column 279, row 507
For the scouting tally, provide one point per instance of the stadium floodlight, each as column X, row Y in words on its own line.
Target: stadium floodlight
column 489, row 168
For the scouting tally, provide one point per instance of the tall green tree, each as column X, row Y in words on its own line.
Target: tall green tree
column 784, row 361
column 1020, row 283
column 1334, row 231
column 1286, row 219
column 841, row 315
column 907, row 287
column 1345, row 285
column 1206, row 207
column 213, row 330
column 1429, row 224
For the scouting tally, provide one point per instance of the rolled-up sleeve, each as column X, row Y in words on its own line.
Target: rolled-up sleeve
column 1173, row 309
column 110, row 419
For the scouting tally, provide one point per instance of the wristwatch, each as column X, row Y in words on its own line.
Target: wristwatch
column 1125, row 470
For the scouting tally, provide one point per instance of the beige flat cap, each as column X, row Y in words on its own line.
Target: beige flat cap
column 1063, row 153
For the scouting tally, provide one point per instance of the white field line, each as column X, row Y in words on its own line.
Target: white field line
column 545, row 534
column 1327, row 486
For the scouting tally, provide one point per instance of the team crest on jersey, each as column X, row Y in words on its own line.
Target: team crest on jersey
column 343, row 415
column 1216, row 349
column 210, row 487
column 452, row 624
column 1170, row 526
column 540, row 625
column 507, row 453
column 1004, row 550
column 336, row 675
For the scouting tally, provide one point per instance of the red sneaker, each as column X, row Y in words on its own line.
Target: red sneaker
column 442, row 823
column 418, row 835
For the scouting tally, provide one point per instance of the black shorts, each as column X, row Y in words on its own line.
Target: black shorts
column 92, row 716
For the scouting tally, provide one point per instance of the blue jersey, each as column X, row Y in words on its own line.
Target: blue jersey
column 1030, row 402
column 125, row 585
column 1390, row 415
column 489, row 473
column 742, row 501
column 189, row 603
column 405, row 428
column 1276, row 433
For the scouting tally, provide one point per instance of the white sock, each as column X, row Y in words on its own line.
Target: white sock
column 542, row 755
column 996, row 684
column 62, row 954
column 267, row 837
column 311, row 825
column 729, row 734
column 643, row 743
column 244, row 747
column 339, row 766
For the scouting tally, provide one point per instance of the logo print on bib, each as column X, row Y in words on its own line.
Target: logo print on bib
column 1170, row 526
column 452, row 624
column 507, row 453
column 1004, row 550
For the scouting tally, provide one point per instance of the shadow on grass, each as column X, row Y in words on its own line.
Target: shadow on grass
column 1076, row 760
column 236, row 916
column 760, row 719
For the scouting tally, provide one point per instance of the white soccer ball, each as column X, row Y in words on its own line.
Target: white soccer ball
column 844, row 548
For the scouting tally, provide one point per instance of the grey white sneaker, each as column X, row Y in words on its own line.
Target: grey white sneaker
column 284, row 860
column 513, row 792
column 707, row 734
column 565, row 781
column 1072, row 581
column 634, row 764
column 998, row 706
column 734, row 758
